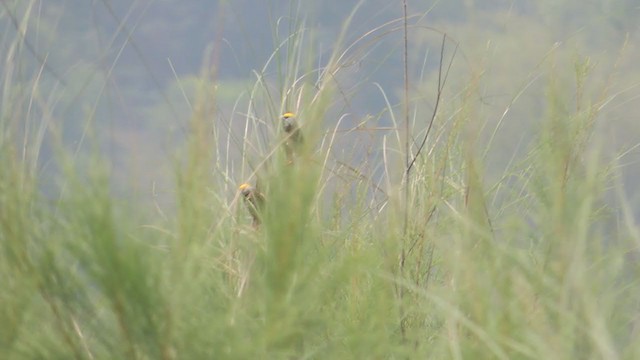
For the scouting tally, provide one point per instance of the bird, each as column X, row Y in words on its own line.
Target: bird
column 294, row 138
column 254, row 200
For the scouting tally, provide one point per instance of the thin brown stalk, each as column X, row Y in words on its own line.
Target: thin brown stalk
column 441, row 83
column 407, row 144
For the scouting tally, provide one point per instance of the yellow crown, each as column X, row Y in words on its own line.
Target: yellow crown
column 244, row 187
column 288, row 115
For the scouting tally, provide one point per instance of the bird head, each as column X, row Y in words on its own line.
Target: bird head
column 245, row 189
column 289, row 121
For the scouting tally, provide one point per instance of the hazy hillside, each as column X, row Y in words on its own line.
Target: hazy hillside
column 126, row 65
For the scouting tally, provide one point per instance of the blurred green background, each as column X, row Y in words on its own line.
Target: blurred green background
column 127, row 126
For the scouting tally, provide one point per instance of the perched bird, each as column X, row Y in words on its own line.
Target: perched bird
column 294, row 139
column 254, row 200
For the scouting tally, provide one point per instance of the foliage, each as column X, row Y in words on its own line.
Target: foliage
column 501, row 248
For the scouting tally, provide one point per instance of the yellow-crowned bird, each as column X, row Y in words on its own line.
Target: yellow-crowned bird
column 254, row 200
column 294, row 139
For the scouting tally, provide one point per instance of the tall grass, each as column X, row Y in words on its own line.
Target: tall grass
column 536, row 266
